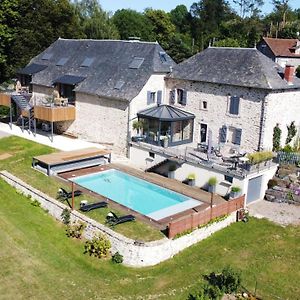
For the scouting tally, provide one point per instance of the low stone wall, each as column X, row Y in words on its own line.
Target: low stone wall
column 135, row 253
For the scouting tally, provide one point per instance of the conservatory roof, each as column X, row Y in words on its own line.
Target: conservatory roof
column 165, row 113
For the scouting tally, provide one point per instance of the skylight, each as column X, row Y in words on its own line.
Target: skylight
column 136, row 63
column 163, row 56
column 47, row 56
column 62, row 61
column 87, row 62
column 119, row 84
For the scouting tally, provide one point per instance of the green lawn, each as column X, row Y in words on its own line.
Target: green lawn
column 38, row 261
column 19, row 164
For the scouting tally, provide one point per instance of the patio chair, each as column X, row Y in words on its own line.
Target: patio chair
column 89, row 207
column 63, row 194
column 112, row 219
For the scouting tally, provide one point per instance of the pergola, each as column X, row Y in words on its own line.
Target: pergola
column 166, row 125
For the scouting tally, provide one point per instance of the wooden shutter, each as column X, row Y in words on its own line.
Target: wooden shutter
column 159, row 97
column 223, row 134
column 184, row 97
column 172, row 97
column 234, row 105
column 238, row 136
column 149, row 97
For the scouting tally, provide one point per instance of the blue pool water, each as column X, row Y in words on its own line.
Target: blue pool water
column 137, row 194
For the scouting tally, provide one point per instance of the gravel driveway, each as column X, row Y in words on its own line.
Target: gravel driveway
column 281, row 213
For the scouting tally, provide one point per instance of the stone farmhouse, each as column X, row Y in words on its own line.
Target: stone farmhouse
column 107, row 82
column 236, row 94
column 228, row 99
column 282, row 51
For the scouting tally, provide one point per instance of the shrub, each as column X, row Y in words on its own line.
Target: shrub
column 257, row 157
column 191, row 176
column 99, row 246
column 287, row 148
column 35, row 203
column 212, row 181
column 272, row 183
column 66, row 216
column 235, row 189
column 117, row 258
column 292, row 131
column 75, row 230
column 229, row 281
column 207, row 292
column 276, row 137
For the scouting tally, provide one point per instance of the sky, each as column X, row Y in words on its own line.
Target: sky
column 167, row 5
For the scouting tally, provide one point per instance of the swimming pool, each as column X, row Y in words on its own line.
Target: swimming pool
column 139, row 195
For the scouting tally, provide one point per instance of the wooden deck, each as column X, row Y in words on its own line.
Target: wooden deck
column 55, row 114
column 172, row 184
column 70, row 156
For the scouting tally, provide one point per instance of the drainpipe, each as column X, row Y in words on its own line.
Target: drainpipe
column 128, row 131
column 262, row 123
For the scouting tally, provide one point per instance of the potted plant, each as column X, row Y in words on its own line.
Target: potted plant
column 235, row 192
column 212, row 182
column 191, row 179
column 171, row 172
column 137, row 125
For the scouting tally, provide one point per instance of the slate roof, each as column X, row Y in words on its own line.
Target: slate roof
column 165, row 113
column 109, row 62
column 282, row 47
column 246, row 67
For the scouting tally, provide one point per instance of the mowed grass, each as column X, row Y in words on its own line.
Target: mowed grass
column 37, row 260
column 19, row 164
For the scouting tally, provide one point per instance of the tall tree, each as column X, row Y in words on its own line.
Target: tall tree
column 248, row 7
column 131, row 23
column 95, row 22
column 281, row 7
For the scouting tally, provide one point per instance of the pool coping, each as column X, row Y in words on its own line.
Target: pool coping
column 172, row 184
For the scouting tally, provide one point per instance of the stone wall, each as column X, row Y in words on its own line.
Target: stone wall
column 40, row 93
column 216, row 115
column 154, row 84
column 100, row 120
column 135, row 253
column 281, row 107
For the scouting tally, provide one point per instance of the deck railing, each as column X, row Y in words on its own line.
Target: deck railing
column 55, row 113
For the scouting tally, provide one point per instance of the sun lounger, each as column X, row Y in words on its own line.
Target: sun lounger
column 63, row 194
column 112, row 219
column 88, row 207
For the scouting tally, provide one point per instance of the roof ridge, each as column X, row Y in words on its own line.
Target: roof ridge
column 109, row 40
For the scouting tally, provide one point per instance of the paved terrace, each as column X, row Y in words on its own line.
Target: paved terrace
column 227, row 165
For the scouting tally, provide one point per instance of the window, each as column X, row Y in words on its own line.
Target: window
column 62, row 61
column 181, row 96
column 204, row 105
column 163, row 56
column 136, row 63
column 151, row 96
column 67, row 91
column 152, row 155
column 87, row 62
column 234, row 105
column 228, row 178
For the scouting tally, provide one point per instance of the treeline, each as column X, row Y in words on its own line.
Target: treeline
column 28, row 26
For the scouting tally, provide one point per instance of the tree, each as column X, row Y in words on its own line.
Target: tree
column 249, row 7
column 130, row 23
column 281, row 7
column 94, row 21
column 180, row 17
column 8, row 14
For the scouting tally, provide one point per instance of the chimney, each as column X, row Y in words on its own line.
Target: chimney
column 289, row 74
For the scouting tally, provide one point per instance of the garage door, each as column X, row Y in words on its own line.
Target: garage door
column 254, row 188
